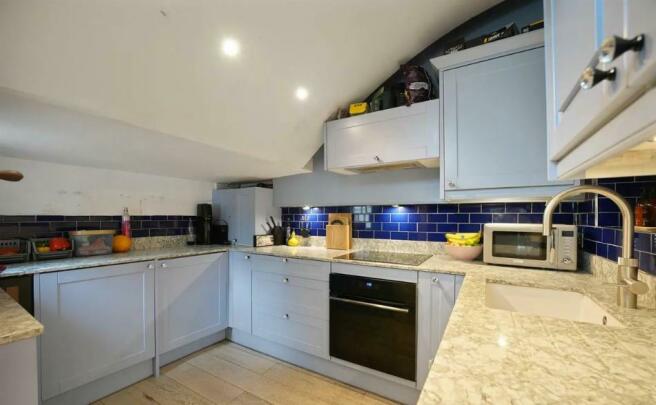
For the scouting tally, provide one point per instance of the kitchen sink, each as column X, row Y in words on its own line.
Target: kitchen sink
column 568, row 305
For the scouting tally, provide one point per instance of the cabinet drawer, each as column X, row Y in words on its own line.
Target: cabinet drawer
column 300, row 332
column 309, row 269
column 290, row 293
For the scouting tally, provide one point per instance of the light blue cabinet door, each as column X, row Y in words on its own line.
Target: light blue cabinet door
column 494, row 123
column 97, row 322
column 191, row 299
column 239, row 307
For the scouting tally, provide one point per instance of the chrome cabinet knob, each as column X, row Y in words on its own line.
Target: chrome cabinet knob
column 284, row 260
column 150, row 266
column 247, row 257
column 164, row 265
column 612, row 47
column 451, row 184
column 377, row 158
column 591, row 77
column 286, row 316
column 435, row 280
column 285, row 280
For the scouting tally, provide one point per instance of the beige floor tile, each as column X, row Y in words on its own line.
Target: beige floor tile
column 127, row 396
column 251, row 360
column 252, row 382
column 204, row 383
column 164, row 390
column 248, row 399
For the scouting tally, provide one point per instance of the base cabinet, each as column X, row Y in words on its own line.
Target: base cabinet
column 239, row 292
column 96, row 322
column 191, row 299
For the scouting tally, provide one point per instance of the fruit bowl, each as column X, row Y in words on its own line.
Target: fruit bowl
column 466, row 253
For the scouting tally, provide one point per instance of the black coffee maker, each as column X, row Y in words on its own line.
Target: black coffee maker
column 204, row 229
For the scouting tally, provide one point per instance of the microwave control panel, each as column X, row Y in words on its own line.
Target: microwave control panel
column 567, row 248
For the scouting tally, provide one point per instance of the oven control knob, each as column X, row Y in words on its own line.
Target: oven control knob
column 566, row 260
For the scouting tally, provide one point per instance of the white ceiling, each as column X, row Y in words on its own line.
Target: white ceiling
column 145, row 81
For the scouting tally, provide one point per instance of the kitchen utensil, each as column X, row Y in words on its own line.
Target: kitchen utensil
column 273, row 222
column 279, row 235
column 11, row 175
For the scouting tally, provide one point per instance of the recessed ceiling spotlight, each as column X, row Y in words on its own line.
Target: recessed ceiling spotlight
column 302, row 93
column 306, row 208
column 230, row 47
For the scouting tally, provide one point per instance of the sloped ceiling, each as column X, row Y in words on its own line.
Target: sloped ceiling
column 155, row 68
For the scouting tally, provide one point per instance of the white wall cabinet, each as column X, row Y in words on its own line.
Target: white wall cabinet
column 493, row 122
column 383, row 138
column 291, row 303
column 587, row 128
column 245, row 210
column 97, row 322
column 239, row 291
column 191, row 299
column 437, row 295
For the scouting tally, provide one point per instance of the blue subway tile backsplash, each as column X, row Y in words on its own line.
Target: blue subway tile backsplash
column 425, row 222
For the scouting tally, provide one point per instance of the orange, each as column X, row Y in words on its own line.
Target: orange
column 121, row 244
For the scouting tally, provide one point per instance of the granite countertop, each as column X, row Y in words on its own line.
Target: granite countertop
column 15, row 322
column 500, row 357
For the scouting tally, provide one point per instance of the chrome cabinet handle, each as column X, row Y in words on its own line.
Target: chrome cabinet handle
column 284, row 260
column 150, row 266
column 286, row 316
column 591, row 77
column 612, row 47
column 247, row 257
column 285, row 280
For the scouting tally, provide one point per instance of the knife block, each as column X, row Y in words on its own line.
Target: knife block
column 339, row 235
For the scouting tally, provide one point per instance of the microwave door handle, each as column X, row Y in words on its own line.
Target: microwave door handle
column 552, row 248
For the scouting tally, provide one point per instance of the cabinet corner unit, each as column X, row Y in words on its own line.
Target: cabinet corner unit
column 600, row 76
column 493, row 135
column 245, row 210
column 400, row 137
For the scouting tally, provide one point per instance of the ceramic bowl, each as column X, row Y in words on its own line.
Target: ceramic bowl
column 466, row 253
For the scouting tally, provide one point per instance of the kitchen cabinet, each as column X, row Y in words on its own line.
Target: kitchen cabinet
column 96, row 322
column 437, row 295
column 599, row 130
column 290, row 303
column 245, row 210
column 239, row 291
column 399, row 137
column 493, row 122
column 192, row 299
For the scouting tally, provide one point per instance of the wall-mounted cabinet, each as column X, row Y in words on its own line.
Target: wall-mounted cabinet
column 401, row 137
column 493, row 136
column 245, row 210
column 598, row 124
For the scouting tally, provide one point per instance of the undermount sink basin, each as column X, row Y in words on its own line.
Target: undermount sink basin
column 568, row 305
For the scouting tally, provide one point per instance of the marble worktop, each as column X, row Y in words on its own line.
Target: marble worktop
column 502, row 357
column 15, row 322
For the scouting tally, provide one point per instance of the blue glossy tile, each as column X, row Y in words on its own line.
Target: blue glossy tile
column 647, row 262
column 529, row 218
column 493, row 207
column 590, row 246
column 447, row 228
column 567, row 219
column 504, row 218
column 436, row 217
column 608, row 236
column 373, row 226
column 447, row 208
column 399, row 236
column 427, row 208
column 381, row 235
column 567, row 207
column 538, row 207
column 466, row 208
column 417, row 217
column 480, row 218
column 49, row 218
column 469, row 227
column 608, row 219
column 390, row 226
column 602, row 250
column 606, row 205
column 424, row 227
column 140, row 233
column 518, row 207
column 408, row 226
column 613, row 252
column 417, row 236
column 642, row 242
column 365, row 234
column 382, row 217
column 399, row 217
column 458, row 218
column 436, row 237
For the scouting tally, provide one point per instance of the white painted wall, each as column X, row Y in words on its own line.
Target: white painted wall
column 50, row 188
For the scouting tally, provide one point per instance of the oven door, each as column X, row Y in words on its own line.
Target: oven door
column 373, row 332
column 517, row 245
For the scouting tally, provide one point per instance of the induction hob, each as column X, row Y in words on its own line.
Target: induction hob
column 408, row 259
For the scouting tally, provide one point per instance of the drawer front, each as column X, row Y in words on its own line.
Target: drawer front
column 289, row 293
column 300, row 332
column 310, row 269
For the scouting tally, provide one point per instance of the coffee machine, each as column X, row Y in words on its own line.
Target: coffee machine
column 204, row 229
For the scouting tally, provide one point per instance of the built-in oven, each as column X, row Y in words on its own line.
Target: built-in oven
column 373, row 323
column 525, row 245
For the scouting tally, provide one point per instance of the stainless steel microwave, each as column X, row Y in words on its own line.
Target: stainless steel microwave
column 524, row 245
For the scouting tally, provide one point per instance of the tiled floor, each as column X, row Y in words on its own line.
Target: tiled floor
column 227, row 373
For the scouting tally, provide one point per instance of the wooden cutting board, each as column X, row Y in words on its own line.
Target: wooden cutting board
column 339, row 236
